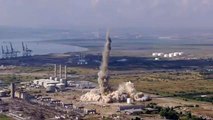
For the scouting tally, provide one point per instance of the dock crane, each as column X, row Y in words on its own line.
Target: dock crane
column 7, row 54
column 3, row 52
column 26, row 50
column 13, row 53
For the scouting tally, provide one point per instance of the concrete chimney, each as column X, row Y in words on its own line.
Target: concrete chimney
column 55, row 70
column 60, row 71
column 65, row 72
column 12, row 87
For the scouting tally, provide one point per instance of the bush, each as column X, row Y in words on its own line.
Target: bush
column 169, row 113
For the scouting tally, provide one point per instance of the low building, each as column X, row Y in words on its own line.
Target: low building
column 68, row 105
column 130, row 107
column 45, row 82
column 89, row 111
column 46, row 99
column 22, row 95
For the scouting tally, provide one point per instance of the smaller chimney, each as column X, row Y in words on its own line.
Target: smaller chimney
column 60, row 72
column 55, row 70
column 65, row 72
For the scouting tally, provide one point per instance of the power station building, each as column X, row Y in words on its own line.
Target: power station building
column 58, row 83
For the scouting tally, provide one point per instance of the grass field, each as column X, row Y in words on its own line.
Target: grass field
column 168, row 83
column 4, row 117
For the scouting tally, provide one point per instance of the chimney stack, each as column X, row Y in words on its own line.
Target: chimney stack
column 65, row 72
column 12, row 90
column 55, row 70
column 60, row 71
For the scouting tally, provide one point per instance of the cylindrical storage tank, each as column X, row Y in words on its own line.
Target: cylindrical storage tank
column 56, row 79
column 3, row 93
column 61, row 86
column 50, row 88
column 128, row 100
column 51, row 78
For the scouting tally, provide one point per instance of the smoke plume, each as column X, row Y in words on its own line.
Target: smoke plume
column 103, row 94
column 103, row 78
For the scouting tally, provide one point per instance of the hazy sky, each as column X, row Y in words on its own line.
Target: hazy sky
column 107, row 13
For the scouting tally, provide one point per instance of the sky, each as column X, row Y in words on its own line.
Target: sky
column 107, row 13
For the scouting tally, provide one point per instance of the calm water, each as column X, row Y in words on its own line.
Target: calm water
column 34, row 39
column 39, row 47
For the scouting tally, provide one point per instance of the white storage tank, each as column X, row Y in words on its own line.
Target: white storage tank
column 50, row 88
column 180, row 53
column 165, row 55
column 61, row 86
column 156, row 59
column 154, row 54
column 129, row 101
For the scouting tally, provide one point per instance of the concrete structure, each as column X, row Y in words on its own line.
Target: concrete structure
column 67, row 105
column 22, row 95
column 60, row 86
column 50, row 88
column 65, row 72
column 55, row 70
column 60, row 71
column 83, row 84
column 45, row 82
column 12, row 88
column 89, row 111
column 64, row 81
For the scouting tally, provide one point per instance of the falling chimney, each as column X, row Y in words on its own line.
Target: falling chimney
column 55, row 70
column 65, row 72
column 60, row 71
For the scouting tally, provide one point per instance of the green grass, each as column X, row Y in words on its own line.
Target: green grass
column 15, row 78
column 4, row 117
column 167, row 83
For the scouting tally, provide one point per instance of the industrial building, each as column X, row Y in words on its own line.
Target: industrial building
column 130, row 107
column 22, row 95
column 81, row 84
column 57, row 84
column 51, row 85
